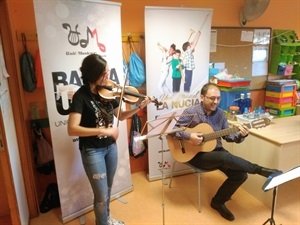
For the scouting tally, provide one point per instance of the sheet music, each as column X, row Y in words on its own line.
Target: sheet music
column 282, row 178
column 156, row 127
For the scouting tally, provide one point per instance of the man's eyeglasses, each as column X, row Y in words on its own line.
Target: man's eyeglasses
column 213, row 98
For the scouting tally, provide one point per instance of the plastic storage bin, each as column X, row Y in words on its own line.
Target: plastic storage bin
column 283, row 112
column 280, row 97
column 279, row 94
column 279, row 100
column 279, row 106
column 230, row 98
column 283, row 88
column 234, row 82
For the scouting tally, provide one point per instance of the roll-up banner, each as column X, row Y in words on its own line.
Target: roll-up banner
column 68, row 31
column 165, row 26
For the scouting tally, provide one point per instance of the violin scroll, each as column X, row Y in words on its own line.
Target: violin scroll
column 155, row 101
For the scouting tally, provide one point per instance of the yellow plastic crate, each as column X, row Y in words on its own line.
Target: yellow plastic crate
column 279, row 94
column 279, row 106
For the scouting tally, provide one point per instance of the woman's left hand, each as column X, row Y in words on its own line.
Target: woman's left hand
column 145, row 102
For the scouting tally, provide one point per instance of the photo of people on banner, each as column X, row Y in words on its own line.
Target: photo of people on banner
column 181, row 65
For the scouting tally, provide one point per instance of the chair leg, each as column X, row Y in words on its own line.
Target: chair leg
column 198, row 181
column 199, row 192
column 198, row 173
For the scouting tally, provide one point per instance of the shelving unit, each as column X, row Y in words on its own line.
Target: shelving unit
column 285, row 56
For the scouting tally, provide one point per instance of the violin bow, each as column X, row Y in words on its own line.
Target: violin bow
column 121, row 96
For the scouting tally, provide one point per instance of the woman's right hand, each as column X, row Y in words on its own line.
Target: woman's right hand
column 112, row 132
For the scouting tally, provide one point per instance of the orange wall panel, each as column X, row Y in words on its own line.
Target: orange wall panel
column 280, row 14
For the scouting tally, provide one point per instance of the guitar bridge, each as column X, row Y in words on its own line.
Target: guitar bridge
column 181, row 146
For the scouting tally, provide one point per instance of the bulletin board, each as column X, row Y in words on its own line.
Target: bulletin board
column 243, row 52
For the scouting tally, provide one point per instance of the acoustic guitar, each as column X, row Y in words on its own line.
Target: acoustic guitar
column 183, row 150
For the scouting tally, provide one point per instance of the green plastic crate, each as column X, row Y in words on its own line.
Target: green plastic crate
column 282, row 112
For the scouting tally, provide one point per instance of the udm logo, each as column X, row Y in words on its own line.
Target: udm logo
column 76, row 38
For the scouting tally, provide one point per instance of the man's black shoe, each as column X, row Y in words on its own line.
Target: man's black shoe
column 266, row 172
column 221, row 208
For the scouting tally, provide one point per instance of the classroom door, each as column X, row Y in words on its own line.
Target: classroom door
column 8, row 207
column 14, row 204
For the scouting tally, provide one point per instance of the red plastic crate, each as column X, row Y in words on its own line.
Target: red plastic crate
column 234, row 82
column 279, row 100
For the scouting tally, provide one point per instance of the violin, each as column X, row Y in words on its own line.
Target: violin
column 131, row 95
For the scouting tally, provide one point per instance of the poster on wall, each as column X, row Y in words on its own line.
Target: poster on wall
column 68, row 31
column 177, row 63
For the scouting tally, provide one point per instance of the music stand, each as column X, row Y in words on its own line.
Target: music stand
column 160, row 126
column 273, row 181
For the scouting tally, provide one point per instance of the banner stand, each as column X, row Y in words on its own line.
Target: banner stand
column 74, row 30
column 193, row 25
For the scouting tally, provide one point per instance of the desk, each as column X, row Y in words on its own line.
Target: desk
column 275, row 146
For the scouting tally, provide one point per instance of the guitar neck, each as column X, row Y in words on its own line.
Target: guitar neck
column 254, row 124
column 221, row 133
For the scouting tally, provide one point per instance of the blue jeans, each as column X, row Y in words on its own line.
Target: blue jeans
column 100, row 165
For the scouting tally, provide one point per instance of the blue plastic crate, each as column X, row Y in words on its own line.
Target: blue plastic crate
column 230, row 98
column 282, row 88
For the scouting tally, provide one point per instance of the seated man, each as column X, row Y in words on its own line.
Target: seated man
column 235, row 168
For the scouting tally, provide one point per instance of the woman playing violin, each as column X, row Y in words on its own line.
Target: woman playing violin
column 91, row 119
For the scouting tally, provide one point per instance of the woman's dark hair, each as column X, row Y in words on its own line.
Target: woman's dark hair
column 92, row 68
column 206, row 87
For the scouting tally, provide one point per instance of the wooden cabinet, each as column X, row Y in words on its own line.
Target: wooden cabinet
column 275, row 146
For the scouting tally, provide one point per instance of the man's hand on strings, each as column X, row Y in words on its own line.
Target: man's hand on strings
column 196, row 138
